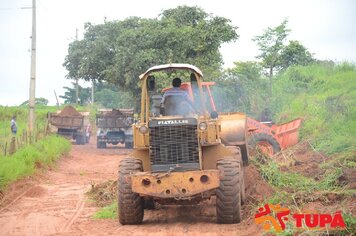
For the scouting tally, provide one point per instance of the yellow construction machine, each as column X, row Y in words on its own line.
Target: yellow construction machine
column 185, row 157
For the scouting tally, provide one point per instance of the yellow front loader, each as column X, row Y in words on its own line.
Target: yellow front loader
column 182, row 158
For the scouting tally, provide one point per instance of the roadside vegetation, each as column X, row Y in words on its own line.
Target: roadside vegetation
column 26, row 160
column 21, row 113
column 107, row 212
column 324, row 95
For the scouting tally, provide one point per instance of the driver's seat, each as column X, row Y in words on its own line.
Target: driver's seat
column 175, row 105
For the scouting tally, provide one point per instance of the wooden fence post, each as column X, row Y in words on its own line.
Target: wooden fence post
column 12, row 148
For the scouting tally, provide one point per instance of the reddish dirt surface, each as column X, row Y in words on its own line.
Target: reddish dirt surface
column 55, row 203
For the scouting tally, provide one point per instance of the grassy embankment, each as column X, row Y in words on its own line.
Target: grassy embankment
column 325, row 97
column 25, row 161
column 28, row 157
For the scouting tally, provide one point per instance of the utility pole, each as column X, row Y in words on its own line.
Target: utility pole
column 31, row 103
column 76, row 79
column 92, row 92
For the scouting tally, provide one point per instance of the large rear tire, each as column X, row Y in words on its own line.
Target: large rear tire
column 228, row 195
column 131, row 205
column 265, row 142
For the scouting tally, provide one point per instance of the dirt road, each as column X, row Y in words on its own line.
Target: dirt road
column 55, row 203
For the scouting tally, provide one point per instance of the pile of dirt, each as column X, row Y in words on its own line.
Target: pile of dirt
column 69, row 111
column 114, row 113
column 257, row 189
column 302, row 159
column 103, row 193
column 348, row 178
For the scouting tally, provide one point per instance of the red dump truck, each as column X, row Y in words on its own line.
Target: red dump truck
column 71, row 124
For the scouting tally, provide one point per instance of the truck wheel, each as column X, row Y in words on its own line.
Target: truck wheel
column 103, row 144
column 98, row 144
column 130, row 204
column 266, row 142
column 228, row 195
column 78, row 139
column 128, row 145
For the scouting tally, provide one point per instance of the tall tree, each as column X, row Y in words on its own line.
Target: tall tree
column 119, row 51
column 270, row 44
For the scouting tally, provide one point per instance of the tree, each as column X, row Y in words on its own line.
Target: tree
column 251, row 70
column 110, row 96
column 70, row 95
column 119, row 51
column 242, row 88
column 295, row 54
column 270, row 44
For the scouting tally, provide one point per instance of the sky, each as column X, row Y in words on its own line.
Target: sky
column 326, row 27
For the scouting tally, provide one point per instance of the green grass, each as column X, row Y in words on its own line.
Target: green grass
column 297, row 182
column 21, row 114
column 350, row 222
column 25, row 161
column 325, row 97
column 107, row 212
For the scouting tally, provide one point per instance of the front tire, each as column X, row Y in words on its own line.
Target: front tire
column 228, row 195
column 131, row 205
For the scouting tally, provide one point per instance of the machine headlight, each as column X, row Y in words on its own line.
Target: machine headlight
column 143, row 129
column 203, row 126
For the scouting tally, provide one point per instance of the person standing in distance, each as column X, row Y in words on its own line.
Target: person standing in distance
column 13, row 125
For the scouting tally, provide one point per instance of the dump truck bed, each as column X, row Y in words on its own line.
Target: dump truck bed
column 122, row 118
column 66, row 122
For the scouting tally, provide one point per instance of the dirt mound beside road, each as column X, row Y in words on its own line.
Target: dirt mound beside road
column 257, row 189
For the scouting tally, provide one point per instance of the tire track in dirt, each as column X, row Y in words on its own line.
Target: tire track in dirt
column 54, row 202
column 78, row 210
